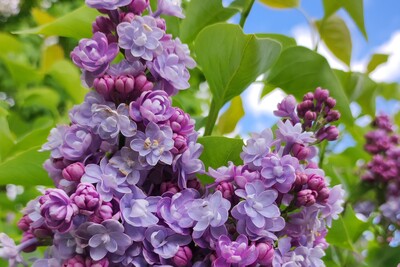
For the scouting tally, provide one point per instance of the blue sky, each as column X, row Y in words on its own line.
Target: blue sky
column 382, row 20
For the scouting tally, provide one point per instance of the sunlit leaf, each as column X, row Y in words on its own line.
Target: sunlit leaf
column 300, row 70
column 201, row 13
column 21, row 72
column 9, row 44
column 51, row 55
column 41, row 17
column 376, row 60
column 284, row 40
column 227, row 122
column 336, row 36
column 281, row 3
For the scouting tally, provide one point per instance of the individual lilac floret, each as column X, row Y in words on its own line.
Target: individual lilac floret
column 155, row 144
column 289, row 133
column 174, row 210
column 138, row 210
column 124, row 67
column 212, row 211
column 94, row 55
column 256, row 148
column 9, row 251
column 127, row 162
column 141, row 38
column 258, row 207
column 79, row 143
column 55, row 141
column 58, row 210
column 74, row 172
column 163, row 242
column 232, row 253
column 107, row 237
column 111, row 122
column 86, row 198
column 391, row 209
column 108, row 180
column 108, row 5
column 278, row 172
column 287, row 109
column 152, row 106
column 170, row 8
column 183, row 257
column 334, row 205
column 181, row 123
column 188, row 164
column 384, row 122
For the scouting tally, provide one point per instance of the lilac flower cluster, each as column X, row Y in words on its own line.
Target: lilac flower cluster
column 125, row 169
column 381, row 173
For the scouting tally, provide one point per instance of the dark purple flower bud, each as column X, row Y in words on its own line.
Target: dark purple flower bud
column 104, row 86
column 106, row 26
column 304, row 106
column 183, row 257
column 57, row 210
column 301, row 152
column 138, row 6
column 125, row 84
column 306, row 197
column 181, row 122
column 161, row 24
column 321, row 95
column 169, row 187
column 301, row 178
column 330, row 133
column 26, row 237
column 76, row 261
column 330, row 102
column 101, row 263
column 316, row 182
column 333, row 115
column 104, row 212
column 195, row 184
column 74, row 172
column 384, row 122
column 142, row 84
column 310, row 115
column 227, row 190
column 265, row 254
column 308, row 96
column 323, row 194
column 24, row 223
column 86, row 198
column 180, row 144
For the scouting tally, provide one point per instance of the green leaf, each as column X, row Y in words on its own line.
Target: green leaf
column 9, row 44
column 300, row 70
column 41, row 97
column 240, row 4
column 284, row 40
column 281, row 3
column 231, row 69
column 383, row 255
column 201, row 13
column 375, row 61
column 6, row 138
column 22, row 73
column 355, row 9
column 68, row 76
column 25, row 168
column 76, row 24
column 227, row 122
column 336, row 36
column 346, row 230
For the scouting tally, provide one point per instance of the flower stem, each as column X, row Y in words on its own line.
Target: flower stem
column 212, row 117
column 245, row 13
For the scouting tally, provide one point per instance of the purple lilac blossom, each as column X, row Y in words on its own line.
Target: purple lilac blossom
column 107, row 237
column 57, row 210
column 151, row 106
column 108, row 180
column 334, row 205
column 55, row 141
column 126, row 68
column 141, row 38
column 287, row 109
column 174, row 210
column 256, row 148
column 170, row 8
column 155, row 144
column 231, row 253
column 138, row 210
column 181, row 123
column 291, row 134
column 278, row 172
column 212, row 211
column 108, row 4
column 163, row 242
column 9, row 251
column 86, row 198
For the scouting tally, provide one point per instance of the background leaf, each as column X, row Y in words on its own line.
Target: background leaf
column 376, row 60
column 227, row 122
column 281, row 3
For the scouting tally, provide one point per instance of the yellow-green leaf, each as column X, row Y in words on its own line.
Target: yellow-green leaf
column 375, row 61
column 227, row 122
column 41, row 17
column 336, row 35
column 51, row 55
column 281, row 3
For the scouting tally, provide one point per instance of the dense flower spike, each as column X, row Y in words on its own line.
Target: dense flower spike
column 126, row 167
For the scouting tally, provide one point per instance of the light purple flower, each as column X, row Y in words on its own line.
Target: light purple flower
column 256, row 148
column 155, row 144
column 212, row 211
column 108, row 4
column 287, row 109
column 174, row 210
column 278, row 172
column 334, row 205
column 86, row 198
column 138, row 210
column 151, row 106
column 170, row 8
column 107, row 237
column 111, row 122
column 55, row 141
column 94, row 55
column 162, row 241
column 124, row 67
column 108, row 180
column 181, row 123
column 232, row 253
column 58, row 210
column 65, row 244
column 9, row 251
column 141, row 38
column 289, row 133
